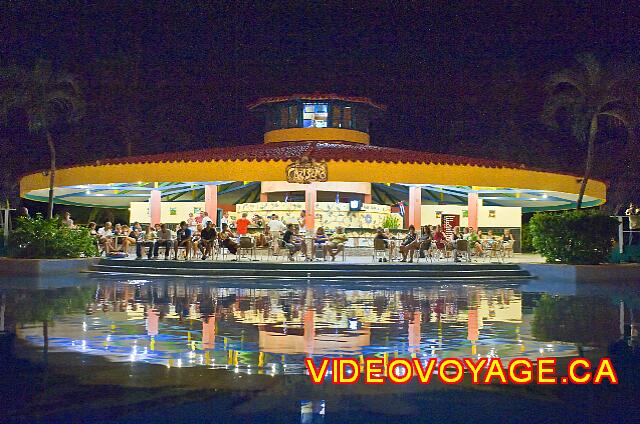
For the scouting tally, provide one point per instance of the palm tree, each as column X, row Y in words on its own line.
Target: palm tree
column 589, row 95
column 46, row 97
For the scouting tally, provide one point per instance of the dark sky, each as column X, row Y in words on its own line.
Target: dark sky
column 435, row 65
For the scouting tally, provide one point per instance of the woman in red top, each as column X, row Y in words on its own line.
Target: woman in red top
column 439, row 237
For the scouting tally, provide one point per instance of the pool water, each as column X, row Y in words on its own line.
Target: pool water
column 268, row 327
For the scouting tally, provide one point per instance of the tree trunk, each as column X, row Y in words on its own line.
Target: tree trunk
column 593, row 130
column 52, row 172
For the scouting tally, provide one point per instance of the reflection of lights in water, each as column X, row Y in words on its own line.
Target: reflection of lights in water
column 84, row 326
column 179, row 363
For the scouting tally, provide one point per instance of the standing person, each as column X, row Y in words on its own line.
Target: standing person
column 302, row 219
column 206, row 218
column 276, row 227
column 164, row 240
column 199, row 218
column 409, row 244
column 225, row 218
column 67, row 221
column 242, row 225
column 207, row 238
column 191, row 222
column 183, row 239
column 633, row 212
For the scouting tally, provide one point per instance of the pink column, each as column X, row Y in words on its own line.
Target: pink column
column 155, row 206
column 264, row 197
column 211, row 201
column 415, row 206
column 310, row 196
column 367, row 198
column 473, row 210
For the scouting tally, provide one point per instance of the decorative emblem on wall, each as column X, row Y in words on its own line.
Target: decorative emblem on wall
column 305, row 171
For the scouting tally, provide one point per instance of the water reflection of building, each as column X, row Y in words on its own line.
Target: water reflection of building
column 248, row 326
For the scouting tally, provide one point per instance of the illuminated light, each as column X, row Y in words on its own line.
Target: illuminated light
column 179, row 363
column 544, row 196
column 87, row 191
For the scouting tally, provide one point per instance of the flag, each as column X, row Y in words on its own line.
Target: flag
column 401, row 211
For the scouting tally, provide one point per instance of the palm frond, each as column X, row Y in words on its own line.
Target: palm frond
column 566, row 79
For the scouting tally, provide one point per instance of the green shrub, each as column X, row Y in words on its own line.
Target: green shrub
column 573, row 237
column 391, row 222
column 38, row 238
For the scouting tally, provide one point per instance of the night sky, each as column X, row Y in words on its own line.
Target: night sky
column 463, row 80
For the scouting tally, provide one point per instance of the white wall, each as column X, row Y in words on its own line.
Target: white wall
column 505, row 217
column 139, row 211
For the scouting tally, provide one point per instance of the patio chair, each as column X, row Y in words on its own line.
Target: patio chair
column 441, row 251
column 247, row 248
column 380, row 251
column 508, row 248
column 428, row 252
column 495, row 250
column 462, row 249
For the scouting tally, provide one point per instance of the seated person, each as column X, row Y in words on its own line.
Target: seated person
column 409, row 244
column 457, row 235
column 227, row 239
column 335, row 244
column 392, row 243
column 183, row 239
column 148, row 240
column 195, row 238
column 131, row 235
column 320, row 238
column 164, row 240
column 425, row 241
column 381, row 235
column 105, row 235
column 207, row 237
column 490, row 239
column 292, row 242
column 475, row 242
column 440, row 238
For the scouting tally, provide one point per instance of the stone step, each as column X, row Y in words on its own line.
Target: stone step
column 316, row 265
column 286, row 270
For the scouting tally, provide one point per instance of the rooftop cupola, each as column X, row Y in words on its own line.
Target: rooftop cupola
column 316, row 117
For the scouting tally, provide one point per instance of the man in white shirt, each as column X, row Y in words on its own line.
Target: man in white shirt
column 206, row 219
column 276, row 227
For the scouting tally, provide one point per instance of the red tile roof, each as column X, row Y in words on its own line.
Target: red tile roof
column 318, row 150
column 315, row 96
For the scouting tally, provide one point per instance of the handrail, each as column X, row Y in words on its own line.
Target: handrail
column 622, row 231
